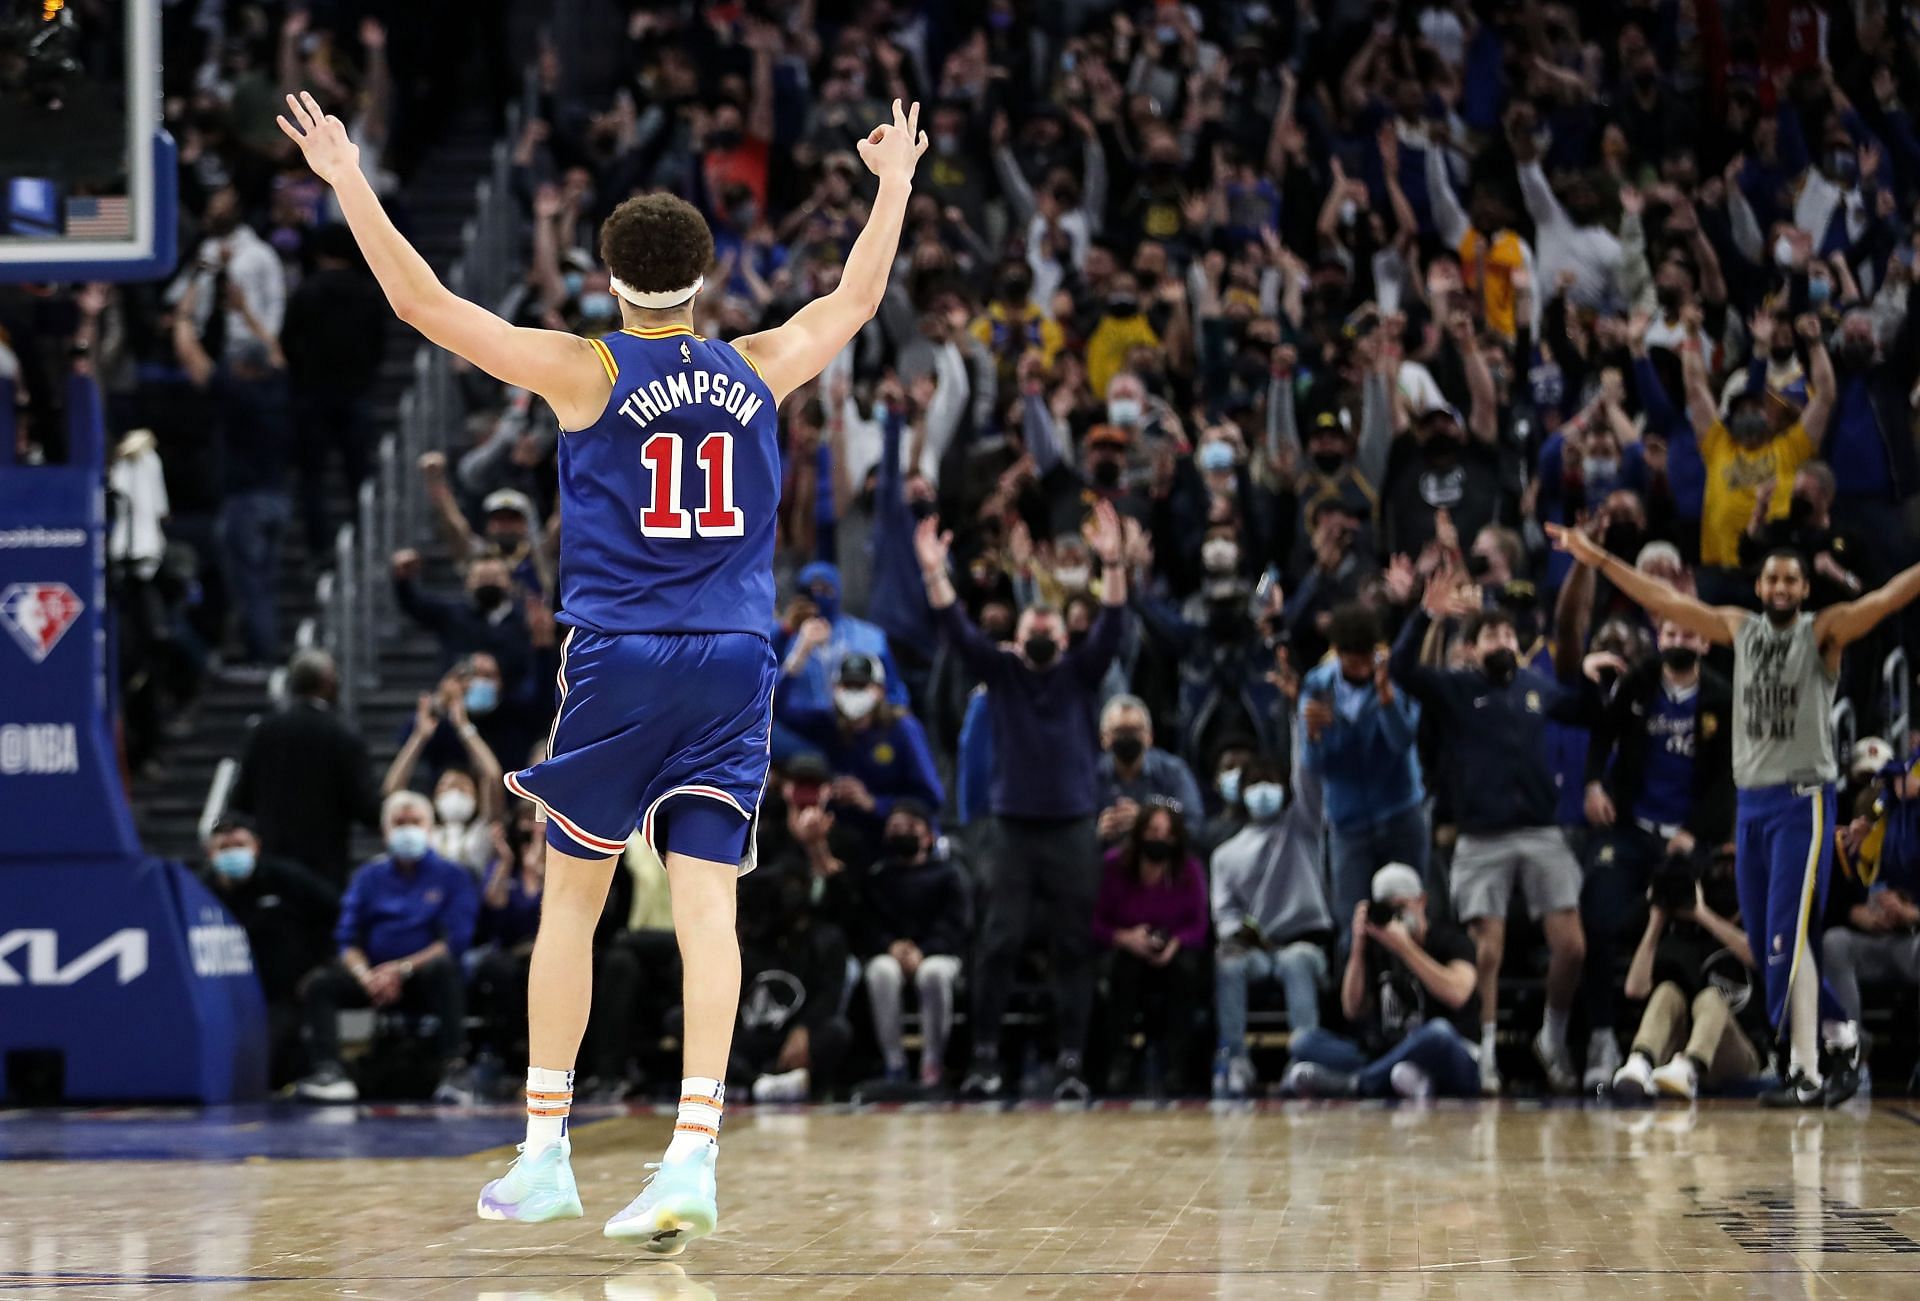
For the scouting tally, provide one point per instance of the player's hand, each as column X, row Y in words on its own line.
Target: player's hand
column 1583, row 549
column 894, row 147
column 321, row 137
column 1599, row 805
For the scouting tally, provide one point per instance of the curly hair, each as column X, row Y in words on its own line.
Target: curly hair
column 656, row 242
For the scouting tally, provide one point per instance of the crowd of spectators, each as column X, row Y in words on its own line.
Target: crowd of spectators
column 1167, row 607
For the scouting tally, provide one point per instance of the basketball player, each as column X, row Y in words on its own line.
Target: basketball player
column 1786, row 661
column 669, row 479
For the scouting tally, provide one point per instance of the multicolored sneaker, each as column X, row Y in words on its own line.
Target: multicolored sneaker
column 679, row 1203
column 535, row 1188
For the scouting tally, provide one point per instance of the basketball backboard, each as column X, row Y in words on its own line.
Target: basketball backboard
column 87, row 175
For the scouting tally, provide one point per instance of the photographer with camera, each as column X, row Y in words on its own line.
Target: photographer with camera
column 1692, row 967
column 1412, row 988
column 1659, row 781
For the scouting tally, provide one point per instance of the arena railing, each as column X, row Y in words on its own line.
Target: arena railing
column 356, row 611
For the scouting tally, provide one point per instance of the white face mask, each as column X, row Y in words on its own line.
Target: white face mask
column 454, row 806
column 1073, row 577
column 855, row 702
column 1783, row 251
column 1125, row 412
column 1219, row 555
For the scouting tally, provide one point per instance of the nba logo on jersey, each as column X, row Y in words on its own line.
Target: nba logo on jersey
column 686, row 354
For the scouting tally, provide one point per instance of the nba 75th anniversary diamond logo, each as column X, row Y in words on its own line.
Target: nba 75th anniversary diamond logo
column 38, row 615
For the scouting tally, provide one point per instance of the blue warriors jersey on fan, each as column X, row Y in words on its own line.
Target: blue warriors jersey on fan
column 668, row 500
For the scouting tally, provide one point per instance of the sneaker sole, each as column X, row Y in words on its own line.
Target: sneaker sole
column 316, row 1095
column 1672, row 1089
column 667, row 1231
column 486, row 1212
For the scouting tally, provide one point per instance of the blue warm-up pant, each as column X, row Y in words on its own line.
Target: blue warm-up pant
column 1783, row 857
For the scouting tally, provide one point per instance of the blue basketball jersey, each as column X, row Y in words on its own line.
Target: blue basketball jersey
column 668, row 500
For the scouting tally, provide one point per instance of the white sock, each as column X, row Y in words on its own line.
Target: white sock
column 1555, row 1024
column 549, row 1100
column 698, row 1123
column 1489, row 1032
column 1803, row 1020
column 1843, row 1035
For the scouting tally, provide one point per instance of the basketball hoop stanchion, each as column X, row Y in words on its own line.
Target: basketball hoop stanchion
column 121, row 976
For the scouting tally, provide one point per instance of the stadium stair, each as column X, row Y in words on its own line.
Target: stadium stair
column 168, row 799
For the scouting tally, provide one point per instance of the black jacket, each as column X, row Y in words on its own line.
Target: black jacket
column 1496, row 764
column 925, row 904
column 288, row 915
column 306, row 779
column 1621, row 732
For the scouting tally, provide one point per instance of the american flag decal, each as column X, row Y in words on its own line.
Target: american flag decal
column 98, row 217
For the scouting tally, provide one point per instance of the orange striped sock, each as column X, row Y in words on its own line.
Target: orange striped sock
column 549, row 1100
column 698, row 1123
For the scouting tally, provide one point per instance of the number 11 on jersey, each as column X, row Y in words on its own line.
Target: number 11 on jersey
column 665, row 517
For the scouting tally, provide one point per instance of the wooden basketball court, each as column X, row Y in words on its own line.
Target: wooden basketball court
column 1470, row 1200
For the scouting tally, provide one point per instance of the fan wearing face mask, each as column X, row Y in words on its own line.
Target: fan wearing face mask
column 288, row 915
column 405, row 921
column 877, row 751
column 467, row 801
column 1757, row 442
column 1041, row 697
column 1271, row 921
column 1134, row 772
column 1659, row 785
column 1492, row 719
column 488, row 618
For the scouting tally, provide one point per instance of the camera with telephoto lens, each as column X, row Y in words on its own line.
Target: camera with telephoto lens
column 1672, row 889
column 1381, row 911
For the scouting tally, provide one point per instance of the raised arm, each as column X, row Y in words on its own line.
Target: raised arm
column 1840, row 625
column 562, row 368
column 789, row 355
column 1821, row 381
column 1716, row 623
column 1701, row 409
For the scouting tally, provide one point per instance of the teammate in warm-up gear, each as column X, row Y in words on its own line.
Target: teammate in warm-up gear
column 1786, row 661
column 669, row 481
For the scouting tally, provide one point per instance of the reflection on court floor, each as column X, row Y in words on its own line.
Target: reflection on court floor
column 1472, row 1200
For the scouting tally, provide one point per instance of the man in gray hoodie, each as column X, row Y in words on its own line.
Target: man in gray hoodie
column 1270, row 914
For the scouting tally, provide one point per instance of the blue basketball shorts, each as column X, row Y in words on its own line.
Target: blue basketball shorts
column 663, row 732
column 1783, row 856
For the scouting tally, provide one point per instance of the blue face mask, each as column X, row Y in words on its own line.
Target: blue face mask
column 599, row 307
column 573, row 280
column 1214, row 458
column 1265, row 800
column 407, row 842
column 1818, row 292
column 483, row 696
column 235, row 862
column 1228, row 784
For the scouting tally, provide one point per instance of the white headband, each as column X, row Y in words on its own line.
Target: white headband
column 655, row 302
